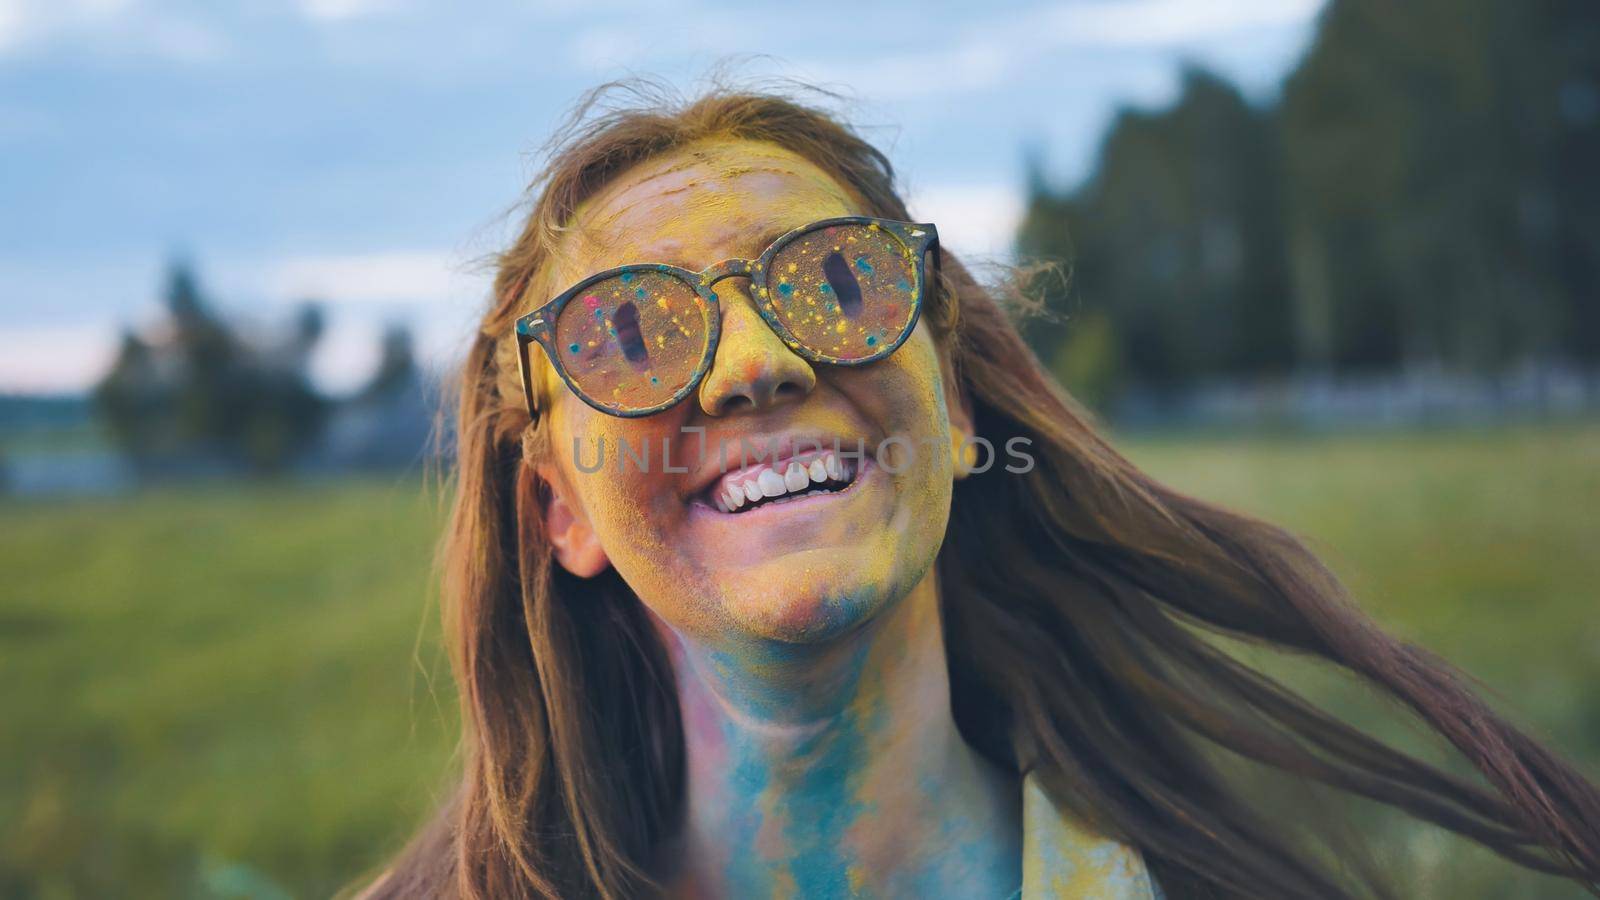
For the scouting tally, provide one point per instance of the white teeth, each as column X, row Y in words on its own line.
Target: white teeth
column 770, row 483
column 795, row 479
column 835, row 471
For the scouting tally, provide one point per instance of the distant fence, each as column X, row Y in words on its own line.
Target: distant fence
column 53, row 447
column 37, row 473
column 1415, row 398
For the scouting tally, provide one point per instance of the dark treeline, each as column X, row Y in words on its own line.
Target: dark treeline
column 195, row 393
column 1424, row 194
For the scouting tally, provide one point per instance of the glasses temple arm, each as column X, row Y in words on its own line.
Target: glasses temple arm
column 526, row 372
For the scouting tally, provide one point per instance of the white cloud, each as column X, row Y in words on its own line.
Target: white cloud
column 593, row 8
column 1159, row 23
column 182, row 40
column 996, row 51
column 24, row 21
column 11, row 22
column 52, row 359
column 681, row 33
column 971, row 65
column 976, row 221
column 434, row 292
column 116, row 27
column 343, row 10
column 401, row 276
column 349, row 350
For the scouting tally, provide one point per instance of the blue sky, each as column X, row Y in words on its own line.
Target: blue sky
column 367, row 152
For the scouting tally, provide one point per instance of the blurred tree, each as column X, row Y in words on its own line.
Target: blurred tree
column 130, row 403
column 1568, row 215
column 1443, row 192
column 397, row 366
column 1045, row 239
column 1426, row 193
column 207, row 368
column 309, row 324
column 194, row 389
column 1176, row 243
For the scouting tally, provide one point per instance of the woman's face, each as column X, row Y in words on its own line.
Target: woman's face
column 797, row 567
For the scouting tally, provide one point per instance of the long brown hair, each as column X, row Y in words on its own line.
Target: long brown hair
column 1081, row 603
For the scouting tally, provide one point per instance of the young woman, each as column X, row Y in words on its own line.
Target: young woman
column 779, row 567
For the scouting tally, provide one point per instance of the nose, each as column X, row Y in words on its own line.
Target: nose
column 753, row 368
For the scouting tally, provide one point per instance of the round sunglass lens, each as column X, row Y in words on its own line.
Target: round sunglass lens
column 847, row 292
column 632, row 341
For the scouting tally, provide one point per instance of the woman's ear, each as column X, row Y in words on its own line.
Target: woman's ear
column 577, row 548
column 963, row 452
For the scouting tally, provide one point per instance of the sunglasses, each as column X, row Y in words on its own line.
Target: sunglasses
column 637, row 339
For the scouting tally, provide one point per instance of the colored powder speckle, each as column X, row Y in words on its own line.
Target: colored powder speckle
column 872, row 340
column 627, row 277
column 863, row 264
column 785, row 288
column 572, row 348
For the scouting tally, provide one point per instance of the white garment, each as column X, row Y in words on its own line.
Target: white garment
column 1060, row 858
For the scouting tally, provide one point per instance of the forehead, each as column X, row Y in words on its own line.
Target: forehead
column 701, row 204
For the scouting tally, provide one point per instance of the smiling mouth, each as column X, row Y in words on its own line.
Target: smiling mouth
column 748, row 489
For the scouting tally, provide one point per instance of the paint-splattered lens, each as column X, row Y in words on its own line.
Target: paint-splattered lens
column 633, row 340
column 846, row 292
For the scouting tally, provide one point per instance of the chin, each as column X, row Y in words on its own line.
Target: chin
column 813, row 616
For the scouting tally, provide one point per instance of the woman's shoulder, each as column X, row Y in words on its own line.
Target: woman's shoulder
column 1062, row 858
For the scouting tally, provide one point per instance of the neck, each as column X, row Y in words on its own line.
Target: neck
column 837, row 770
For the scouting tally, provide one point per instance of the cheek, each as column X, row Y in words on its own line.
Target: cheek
column 913, row 398
column 904, row 396
column 614, row 468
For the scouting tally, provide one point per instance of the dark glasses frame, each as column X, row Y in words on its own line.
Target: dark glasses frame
column 540, row 325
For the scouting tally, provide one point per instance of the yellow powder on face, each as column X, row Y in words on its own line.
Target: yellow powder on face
column 600, row 234
column 703, row 204
column 728, row 159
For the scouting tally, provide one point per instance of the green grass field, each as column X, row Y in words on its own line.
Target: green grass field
column 212, row 692
column 238, row 691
